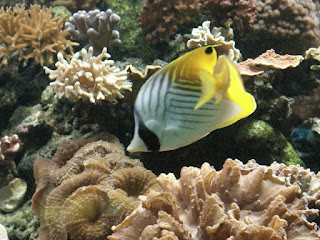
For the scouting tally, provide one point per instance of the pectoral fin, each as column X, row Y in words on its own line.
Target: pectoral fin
column 214, row 86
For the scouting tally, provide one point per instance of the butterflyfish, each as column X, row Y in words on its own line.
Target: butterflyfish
column 187, row 99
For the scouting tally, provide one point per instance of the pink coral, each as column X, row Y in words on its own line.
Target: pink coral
column 9, row 146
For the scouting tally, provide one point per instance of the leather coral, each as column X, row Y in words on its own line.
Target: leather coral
column 242, row 201
column 86, row 188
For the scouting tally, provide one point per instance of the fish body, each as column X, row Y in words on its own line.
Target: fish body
column 187, row 99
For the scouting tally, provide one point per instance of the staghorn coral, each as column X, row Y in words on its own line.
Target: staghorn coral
column 242, row 201
column 86, row 188
column 251, row 67
column 9, row 146
column 218, row 36
column 240, row 14
column 34, row 33
column 161, row 19
column 91, row 78
column 95, row 26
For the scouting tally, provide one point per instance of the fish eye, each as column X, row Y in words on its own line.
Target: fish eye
column 208, row 50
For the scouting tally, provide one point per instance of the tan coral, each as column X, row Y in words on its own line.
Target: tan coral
column 251, row 67
column 242, row 201
column 90, row 78
column 139, row 78
column 222, row 37
column 86, row 188
column 313, row 53
column 34, row 33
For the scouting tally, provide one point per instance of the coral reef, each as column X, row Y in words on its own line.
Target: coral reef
column 96, row 26
column 290, row 26
column 86, row 188
column 139, row 78
column 9, row 146
column 251, row 67
column 313, row 53
column 75, row 5
column 21, row 224
column 12, row 195
column 222, row 37
column 242, row 201
column 161, row 19
column 240, row 14
column 34, row 33
column 91, row 78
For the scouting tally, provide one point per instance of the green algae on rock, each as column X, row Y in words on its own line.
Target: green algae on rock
column 267, row 143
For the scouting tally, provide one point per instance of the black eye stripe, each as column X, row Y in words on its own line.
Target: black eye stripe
column 149, row 138
column 208, row 50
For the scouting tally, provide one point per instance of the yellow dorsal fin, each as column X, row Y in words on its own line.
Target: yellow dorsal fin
column 214, row 86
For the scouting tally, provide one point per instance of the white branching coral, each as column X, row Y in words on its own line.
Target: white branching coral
column 91, row 78
column 221, row 37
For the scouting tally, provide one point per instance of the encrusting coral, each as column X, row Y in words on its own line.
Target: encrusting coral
column 222, row 37
column 242, row 201
column 96, row 26
column 91, row 78
column 12, row 195
column 34, row 33
column 86, row 188
column 270, row 58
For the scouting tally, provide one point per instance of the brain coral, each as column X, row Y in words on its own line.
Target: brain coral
column 86, row 188
column 34, row 33
column 90, row 78
column 242, row 201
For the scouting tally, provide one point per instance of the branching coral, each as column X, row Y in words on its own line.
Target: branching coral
column 86, row 188
column 34, row 33
column 251, row 67
column 222, row 37
column 242, row 201
column 95, row 26
column 91, row 78
column 160, row 19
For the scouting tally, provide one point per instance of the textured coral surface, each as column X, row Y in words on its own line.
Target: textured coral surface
column 242, row 201
column 86, row 188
